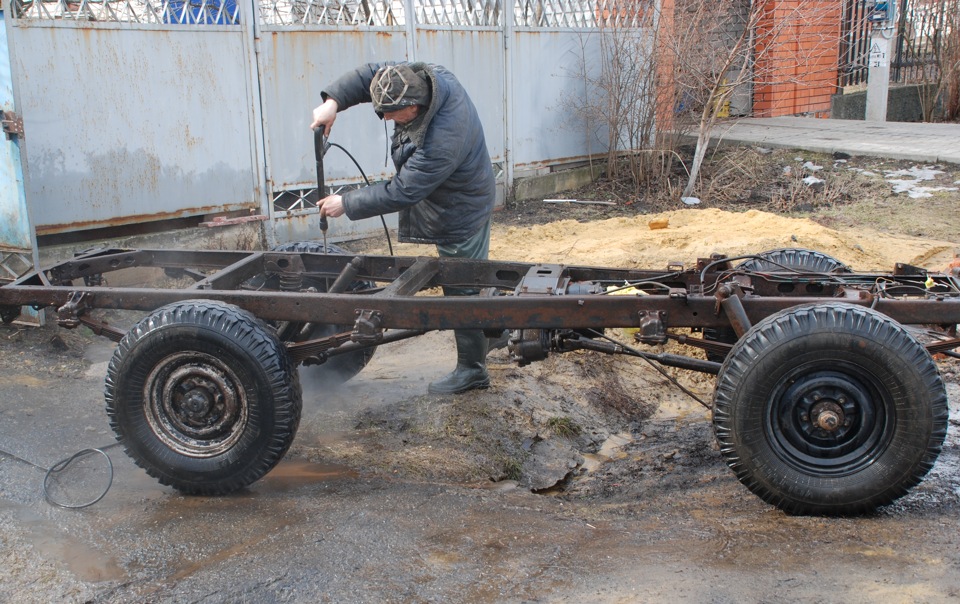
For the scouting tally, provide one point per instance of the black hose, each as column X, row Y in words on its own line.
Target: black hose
column 62, row 465
column 383, row 220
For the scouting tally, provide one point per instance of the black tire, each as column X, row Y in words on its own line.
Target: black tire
column 203, row 397
column 797, row 259
column 787, row 258
column 829, row 409
column 338, row 369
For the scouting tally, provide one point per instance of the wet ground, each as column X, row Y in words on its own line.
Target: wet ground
column 391, row 495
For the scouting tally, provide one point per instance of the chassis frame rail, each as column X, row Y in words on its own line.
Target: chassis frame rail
column 543, row 296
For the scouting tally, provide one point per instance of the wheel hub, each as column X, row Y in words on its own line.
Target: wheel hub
column 828, row 416
column 827, row 420
column 195, row 404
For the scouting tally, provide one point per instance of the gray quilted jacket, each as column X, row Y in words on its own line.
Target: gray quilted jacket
column 444, row 187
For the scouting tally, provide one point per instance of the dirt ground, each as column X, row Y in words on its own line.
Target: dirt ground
column 583, row 478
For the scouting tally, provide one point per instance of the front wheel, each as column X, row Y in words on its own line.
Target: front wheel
column 829, row 409
column 203, row 397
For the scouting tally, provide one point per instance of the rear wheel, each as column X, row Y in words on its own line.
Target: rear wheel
column 829, row 409
column 203, row 397
column 796, row 259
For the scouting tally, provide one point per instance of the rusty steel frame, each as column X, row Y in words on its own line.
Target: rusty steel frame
column 517, row 296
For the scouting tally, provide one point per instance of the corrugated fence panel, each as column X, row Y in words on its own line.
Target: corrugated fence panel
column 159, row 125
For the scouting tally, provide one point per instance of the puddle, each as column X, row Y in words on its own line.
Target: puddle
column 296, row 473
column 82, row 560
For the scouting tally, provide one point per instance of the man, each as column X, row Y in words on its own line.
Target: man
column 444, row 187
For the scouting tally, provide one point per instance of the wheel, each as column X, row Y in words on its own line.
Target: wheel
column 797, row 259
column 829, row 409
column 203, row 397
column 337, row 369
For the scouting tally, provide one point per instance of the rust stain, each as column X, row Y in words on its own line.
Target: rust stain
column 54, row 229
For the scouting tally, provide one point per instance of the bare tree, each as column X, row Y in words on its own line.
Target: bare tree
column 937, row 37
column 619, row 80
column 673, row 67
column 720, row 48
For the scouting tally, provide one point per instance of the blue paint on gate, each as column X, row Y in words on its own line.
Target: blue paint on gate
column 14, row 220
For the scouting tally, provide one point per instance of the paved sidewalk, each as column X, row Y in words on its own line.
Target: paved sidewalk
column 929, row 143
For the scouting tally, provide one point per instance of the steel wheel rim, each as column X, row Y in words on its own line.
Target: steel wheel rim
column 195, row 404
column 829, row 418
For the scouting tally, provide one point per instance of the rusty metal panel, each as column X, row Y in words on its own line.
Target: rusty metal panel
column 296, row 65
column 158, row 127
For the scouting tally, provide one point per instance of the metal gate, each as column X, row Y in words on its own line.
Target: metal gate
column 921, row 24
column 517, row 61
column 135, row 110
column 142, row 110
column 16, row 239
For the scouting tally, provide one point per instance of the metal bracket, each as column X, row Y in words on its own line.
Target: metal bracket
column 68, row 315
column 729, row 301
column 367, row 328
column 12, row 124
column 652, row 327
column 544, row 279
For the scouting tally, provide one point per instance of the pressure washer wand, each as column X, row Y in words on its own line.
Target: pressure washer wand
column 320, row 148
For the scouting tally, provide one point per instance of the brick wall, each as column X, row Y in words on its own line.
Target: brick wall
column 796, row 49
column 797, row 54
column 665, row 87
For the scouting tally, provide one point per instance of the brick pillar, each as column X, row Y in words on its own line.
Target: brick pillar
column 665, row 86
column 797, row 50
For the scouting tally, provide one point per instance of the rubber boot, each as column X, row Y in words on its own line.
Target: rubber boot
column 471, row 370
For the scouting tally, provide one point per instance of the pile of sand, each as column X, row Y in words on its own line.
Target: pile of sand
column 691, row 234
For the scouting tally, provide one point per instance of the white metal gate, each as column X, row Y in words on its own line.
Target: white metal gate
column 139, row 110
column 135, row 110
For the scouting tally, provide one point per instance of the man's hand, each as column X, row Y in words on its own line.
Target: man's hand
column 325, row 115
column 331, row 206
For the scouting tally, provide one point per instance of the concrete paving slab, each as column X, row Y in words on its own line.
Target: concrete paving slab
column 922, row 142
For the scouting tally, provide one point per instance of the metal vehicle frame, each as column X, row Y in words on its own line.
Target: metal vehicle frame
column 826, row 401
